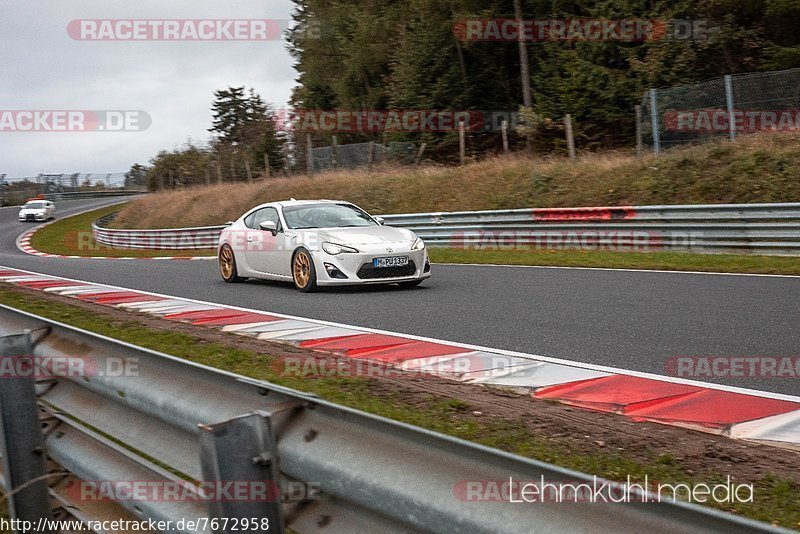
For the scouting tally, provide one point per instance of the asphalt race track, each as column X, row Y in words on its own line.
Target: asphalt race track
column 625, row 319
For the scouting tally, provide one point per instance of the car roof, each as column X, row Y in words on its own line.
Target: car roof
column 293, row 202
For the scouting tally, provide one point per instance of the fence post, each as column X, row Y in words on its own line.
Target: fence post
column 171, row 180
column 233, row 170
column 570, row 138
column 247, row 170
column 243, row 449
column 266, row 164
column 371, row 155
column 729, row 102
column 462, row 146
column 334, row 151
column 22, row 441
column 504, row 133
column 208, row 176
column 219, row 172
column 419, row 154
column 309, row 155
column 654, row 121
column 637, row 110
column 160, row 182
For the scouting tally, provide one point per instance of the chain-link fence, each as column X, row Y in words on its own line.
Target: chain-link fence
column 362, row 154
column 725, row 107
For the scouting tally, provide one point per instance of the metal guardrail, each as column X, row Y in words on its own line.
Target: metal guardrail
column 756, row 228
column 163, row 239
column 174, row 421
column 76, row 195
column 19, row 197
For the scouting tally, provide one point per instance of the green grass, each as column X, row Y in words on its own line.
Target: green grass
column 776, row 498
column 72, row 236
column 673, row 261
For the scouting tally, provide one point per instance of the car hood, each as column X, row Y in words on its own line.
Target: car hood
column 367, row 235
column 31, row 211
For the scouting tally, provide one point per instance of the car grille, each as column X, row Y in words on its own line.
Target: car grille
column 30, row 217
column 368, row 272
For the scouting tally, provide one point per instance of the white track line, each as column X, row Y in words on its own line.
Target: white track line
column 470, row 347
column 619, row 269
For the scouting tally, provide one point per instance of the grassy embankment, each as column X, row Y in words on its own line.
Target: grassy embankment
column 759, row 168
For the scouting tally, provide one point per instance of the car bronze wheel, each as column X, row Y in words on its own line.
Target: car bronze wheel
column 303, row 272
column 227, row 265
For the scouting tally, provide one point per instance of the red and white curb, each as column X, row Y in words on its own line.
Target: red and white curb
column 24, row 244
column 764, row 417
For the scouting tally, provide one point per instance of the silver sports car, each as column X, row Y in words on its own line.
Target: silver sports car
column 320, row 243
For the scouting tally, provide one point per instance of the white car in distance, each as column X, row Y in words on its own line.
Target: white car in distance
column 37, row 210
column 316, row 243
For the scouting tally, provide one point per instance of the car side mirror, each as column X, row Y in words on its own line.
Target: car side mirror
column 269, row 226
column 380, row 220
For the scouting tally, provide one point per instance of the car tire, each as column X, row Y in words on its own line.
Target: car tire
column 304, row 274
column 227, row 265
column 410, row 285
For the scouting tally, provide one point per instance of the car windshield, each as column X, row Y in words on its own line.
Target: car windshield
column 34, row 206
column 325, row 216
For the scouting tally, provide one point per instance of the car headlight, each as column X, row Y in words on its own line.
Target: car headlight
column 333, row 249
column 419, row 244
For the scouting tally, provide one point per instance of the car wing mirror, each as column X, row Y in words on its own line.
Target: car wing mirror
column 269, row 226
column 380, row 220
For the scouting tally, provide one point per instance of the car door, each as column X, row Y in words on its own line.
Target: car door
column 262, row 248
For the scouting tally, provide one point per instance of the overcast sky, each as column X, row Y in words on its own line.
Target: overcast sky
column 43, row 68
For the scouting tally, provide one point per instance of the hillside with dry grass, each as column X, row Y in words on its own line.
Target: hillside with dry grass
column 759, row 168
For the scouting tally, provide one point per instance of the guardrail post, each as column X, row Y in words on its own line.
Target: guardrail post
column 654, row 122
column 242, row 451
column 21, row 442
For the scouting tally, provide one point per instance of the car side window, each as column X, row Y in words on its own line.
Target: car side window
column 264, row 214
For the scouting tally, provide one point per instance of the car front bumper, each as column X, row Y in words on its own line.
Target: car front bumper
column 356, row 268
column 31, row 217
